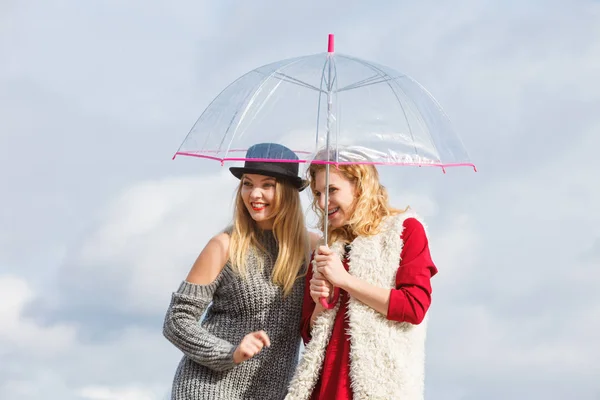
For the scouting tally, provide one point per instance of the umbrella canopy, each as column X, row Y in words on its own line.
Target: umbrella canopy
column 332, row 101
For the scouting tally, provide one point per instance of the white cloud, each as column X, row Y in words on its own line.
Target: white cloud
column 105, row 393
column 147, row 240
column 520, row 321
column 18, row 333
column 515, row 304
column 51, row 360
column 456, row 250
column 35, row 382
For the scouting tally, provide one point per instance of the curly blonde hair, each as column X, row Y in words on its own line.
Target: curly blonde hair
column 370, row 206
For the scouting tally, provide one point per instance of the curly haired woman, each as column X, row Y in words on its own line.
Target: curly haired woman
column 369, row 342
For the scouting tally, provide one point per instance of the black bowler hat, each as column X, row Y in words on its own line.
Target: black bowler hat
column 263, row 152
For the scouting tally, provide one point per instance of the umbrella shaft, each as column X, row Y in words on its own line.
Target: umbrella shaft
column 327, row 141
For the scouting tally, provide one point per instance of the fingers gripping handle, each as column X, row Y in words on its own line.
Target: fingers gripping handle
column 336, row 291
column 336, row 296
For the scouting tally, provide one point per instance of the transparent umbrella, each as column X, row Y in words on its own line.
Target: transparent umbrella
column 356, row 110
column 328, row 99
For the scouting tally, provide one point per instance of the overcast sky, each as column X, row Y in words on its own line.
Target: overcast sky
column 98, row 225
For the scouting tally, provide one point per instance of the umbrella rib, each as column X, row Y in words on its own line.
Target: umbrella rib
column 339, row 117
column 334, row 81
column 435, row 102
column 419, row 120
column 366, row 82
column 249, row 105
column 321, row 92
column 253, row 97
column 376, row 69
column 290, row 79
column 359, row 83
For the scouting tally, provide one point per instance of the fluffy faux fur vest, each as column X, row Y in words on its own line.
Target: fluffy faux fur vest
column 387, row 358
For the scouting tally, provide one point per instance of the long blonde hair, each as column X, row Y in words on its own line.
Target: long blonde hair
column 289, row 231
column 371, row 203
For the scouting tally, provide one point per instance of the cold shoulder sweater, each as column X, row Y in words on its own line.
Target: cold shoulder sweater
column 239, row 306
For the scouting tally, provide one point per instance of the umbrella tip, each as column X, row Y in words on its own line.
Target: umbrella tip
column 330, row 43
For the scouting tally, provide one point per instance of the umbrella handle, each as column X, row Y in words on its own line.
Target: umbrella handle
column 329, row 306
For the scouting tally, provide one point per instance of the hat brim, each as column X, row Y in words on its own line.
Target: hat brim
column 296, row 181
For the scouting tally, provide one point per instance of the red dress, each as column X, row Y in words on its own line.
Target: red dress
column 409, row 302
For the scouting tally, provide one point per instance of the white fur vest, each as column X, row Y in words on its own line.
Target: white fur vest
column 387, row 358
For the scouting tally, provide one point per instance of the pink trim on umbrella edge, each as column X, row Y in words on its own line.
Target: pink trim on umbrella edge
column 233, row 159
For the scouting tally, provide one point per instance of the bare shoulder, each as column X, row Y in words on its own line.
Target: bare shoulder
column 210, row 261
column 315, row 238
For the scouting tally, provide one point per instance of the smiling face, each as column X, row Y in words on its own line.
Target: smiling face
column 258, row 195
column 358, row 201
column 342, row 194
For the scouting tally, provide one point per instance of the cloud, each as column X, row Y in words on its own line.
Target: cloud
column 114, row 287
column 104, row 393
column 494, row 322
column 45, row 359
column 516, row 299
column 51, row 359
column 141, row 247
column 45, row 341
column 98, row 225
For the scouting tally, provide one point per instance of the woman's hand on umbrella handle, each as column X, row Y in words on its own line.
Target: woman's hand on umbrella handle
column 322, row 291
column 329, row 304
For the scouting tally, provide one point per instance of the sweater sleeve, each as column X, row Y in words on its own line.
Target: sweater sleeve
column 411, row 298
column 181, row 327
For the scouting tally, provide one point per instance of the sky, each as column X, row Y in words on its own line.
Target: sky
column 98, row 225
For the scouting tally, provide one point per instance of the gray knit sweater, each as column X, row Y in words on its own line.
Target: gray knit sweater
column 239, row 306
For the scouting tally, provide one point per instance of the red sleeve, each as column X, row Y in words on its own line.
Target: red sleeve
column 308, row 306
column 411, row 298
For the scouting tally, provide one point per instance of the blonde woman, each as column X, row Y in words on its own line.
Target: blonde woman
column 247, row 345
column 369, row 343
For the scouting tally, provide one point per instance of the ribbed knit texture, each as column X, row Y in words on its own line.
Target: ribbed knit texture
column 239, row 306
